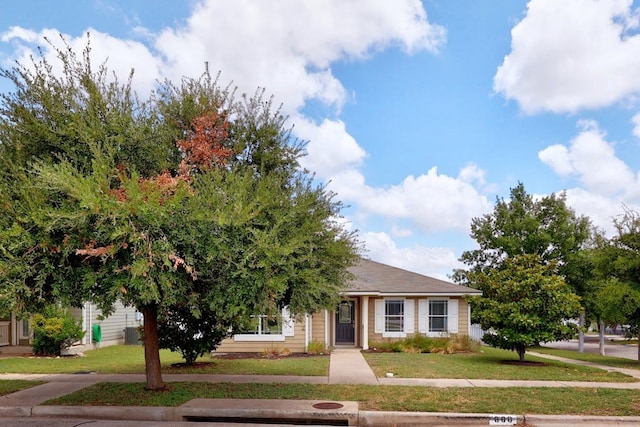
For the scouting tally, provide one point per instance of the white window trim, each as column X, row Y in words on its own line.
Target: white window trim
column 409, row 317
column 287, row 331
column 452, row 317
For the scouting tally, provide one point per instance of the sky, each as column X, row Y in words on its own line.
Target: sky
column 419, row 115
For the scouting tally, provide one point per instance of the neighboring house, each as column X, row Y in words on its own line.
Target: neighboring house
column 381, row 303
column 14, row 332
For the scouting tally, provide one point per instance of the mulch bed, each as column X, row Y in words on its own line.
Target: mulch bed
column 262, row 356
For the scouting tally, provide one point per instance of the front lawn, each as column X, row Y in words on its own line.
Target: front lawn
column 486, row 364
column 129, row 359
column 578, row 401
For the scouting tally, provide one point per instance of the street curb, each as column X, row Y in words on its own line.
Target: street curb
column 364, row 418
column 130, row 413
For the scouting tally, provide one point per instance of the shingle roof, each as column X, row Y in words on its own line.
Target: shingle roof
column 373, row 278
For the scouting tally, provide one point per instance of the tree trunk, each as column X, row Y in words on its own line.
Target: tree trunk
column 521, row 350
column 152, row 365
column 601, row 336
column 639, row 347
column 581, row 323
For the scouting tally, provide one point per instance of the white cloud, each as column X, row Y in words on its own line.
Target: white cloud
column 19, row 33
column 572, row 54
column 592, row 159
column 288, row 46
column 599, row 208
column 432, row 202
column 636, row 125
column 606, row 183
column 331, row 149
column 434, row 262
column 122, row 55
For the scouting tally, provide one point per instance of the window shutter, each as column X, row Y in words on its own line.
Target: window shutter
column 423, row 316
column 287, row 323
column 379, row 316
column 409, row 316
column 452, row 321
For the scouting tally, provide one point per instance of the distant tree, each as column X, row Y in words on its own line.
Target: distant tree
column 624, row 264
column 523, row 304
column 191, row 204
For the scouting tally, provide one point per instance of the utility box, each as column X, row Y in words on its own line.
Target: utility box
column 132, row 336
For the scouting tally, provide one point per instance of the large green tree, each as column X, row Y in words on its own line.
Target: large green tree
column 191, row 202
column 524, row 225
column 523, row 304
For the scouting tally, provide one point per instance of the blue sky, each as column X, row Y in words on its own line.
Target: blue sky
column 418, row 113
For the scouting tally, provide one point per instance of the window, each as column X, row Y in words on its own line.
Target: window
column 262, row 325
column 438, row 315
column 394, row 317
column 268, row 328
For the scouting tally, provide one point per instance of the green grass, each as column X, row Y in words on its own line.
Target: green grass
column 11, row 386
column 581, row 401
column 127, row 359
column 485, row 364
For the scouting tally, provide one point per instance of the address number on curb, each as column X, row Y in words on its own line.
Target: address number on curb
column 503, row 420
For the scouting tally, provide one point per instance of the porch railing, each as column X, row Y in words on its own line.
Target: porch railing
column 4, row 333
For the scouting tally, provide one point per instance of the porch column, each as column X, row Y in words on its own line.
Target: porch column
column 365, row 322
column 14, row 329
column 307, row 331
column 327, row 340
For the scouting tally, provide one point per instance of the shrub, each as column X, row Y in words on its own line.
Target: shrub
column 180, row 331
column 422, row 344
column 54, row 329
column 316, row 347
column 274, row 352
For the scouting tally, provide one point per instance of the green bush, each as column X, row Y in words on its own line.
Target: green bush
column 316, row 347
column 54, row 330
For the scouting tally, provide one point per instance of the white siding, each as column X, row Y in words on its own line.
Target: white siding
column 112, row 327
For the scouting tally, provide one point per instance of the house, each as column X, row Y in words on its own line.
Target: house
column 381, row 303
column 113, row 329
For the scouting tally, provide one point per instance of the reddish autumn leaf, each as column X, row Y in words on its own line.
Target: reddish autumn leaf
column 203, row 145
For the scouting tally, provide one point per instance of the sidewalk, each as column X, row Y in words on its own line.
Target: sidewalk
column 347, row 366
column 630, row 372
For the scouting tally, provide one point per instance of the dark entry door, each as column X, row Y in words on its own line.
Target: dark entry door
column 345, row 323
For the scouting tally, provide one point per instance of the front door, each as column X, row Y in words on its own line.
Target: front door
column 345, row 323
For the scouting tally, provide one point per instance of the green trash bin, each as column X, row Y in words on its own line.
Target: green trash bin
column 96, row 334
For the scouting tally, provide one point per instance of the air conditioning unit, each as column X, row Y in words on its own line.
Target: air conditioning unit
column 132, row 336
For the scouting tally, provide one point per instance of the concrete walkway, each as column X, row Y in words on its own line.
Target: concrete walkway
column 347, row 366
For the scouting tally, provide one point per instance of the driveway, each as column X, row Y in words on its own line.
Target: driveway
column 591, row 345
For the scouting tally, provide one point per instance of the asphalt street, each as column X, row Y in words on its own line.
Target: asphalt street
column 591, row 345
column 78, row 422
